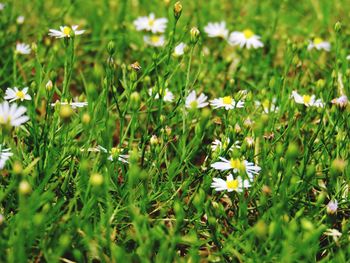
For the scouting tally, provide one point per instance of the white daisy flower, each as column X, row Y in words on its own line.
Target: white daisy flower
column 245, row 38
column 267, row 106
column 216, row 29
column 150, row 23
column 230, row 184
column 20, row 20
column 348, row 57
column 192, row 102
column 342, row 101
column 179, row 49
column 115, row 153
column 5, row 154
column 154, row 40
column 12, row 114
column 23, row 49
column 167, row 94
column 218, row 145
column 16, row 94
column 73, row 104
column 65, row 31
column 226, row 102
column 2, row 6
column 319, row 44
column 237, row 166
column 307, row 100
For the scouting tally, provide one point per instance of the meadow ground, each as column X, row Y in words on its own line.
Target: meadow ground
column 155, row 131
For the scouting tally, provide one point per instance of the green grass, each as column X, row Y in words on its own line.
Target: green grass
column 62, row 203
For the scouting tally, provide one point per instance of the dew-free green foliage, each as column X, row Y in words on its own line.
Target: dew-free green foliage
column 63, row 202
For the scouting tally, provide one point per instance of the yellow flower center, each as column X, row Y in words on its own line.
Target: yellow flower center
column 318, row 40
column 233, row 184
column 154, row 39
column 248, row 33
column 151, row 22
column 306, row 99
column 20, row 94
column 194, row 104
column 237, row 164
column 227, row 100
column 115, row 151
column 67, row 31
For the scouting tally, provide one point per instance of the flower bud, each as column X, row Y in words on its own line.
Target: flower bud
column 96, row 179
column 111, row 48
column 17, row 167
column 177, row 10
column 86, row 118
column 154, row 140
column 332, row 207
column 337, row 26
column 24, row 188
column 135, row 100
column 66, row 112
column 194, row 35
column 49, row 85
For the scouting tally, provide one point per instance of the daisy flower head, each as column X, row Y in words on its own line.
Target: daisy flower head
column 73, row 104
column 151, row 23
column 319, row 44
column 217, row 29
column 194, row 102
column 226, row 102
column 20, row 20
column 66, row 32
column 307, row 100
column 16, row 94
column 154, row 40
column 245, row 38
column 5, row 154
column 13, row 115
column 180, row 49
column 342, row 101
column 166, row 94
column 237, row 166
column 218, row 145
column 115, row 154
column 230, row 184
column 23, row 49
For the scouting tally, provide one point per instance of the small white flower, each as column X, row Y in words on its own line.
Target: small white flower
column 348, row 57
column 16, row 94
column 5, row 154
column 319, row 44
column 307, row 100
column 150, row 23
column 23, row 49
column 237, row 166
column 230, row 184
column 245, row 38
column 216, row 30
column 192, row 102
column 332, row 207
column 115, row 154
column 179, row 49
column 12, row 114
column 154, row 40
column 333, row 233
column 20, row 20
column 218, row 145
column 342, row 101
column 73, row 104
column 226, row 102
column 65, row 31
column 166, row 94
column 2, row 6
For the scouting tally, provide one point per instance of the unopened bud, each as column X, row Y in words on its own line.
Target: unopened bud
column 17, row 167
column 86, row 118
column 194, row 35
column 177, row 10
column 49, row 85
column 66, row 112
column 24, row 188
column 154, row 140
column 111, row 48
column 337, row 26
column 135, row 100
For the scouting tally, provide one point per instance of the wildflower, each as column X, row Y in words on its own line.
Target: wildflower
column 177, row 9
column 154, row 40
column 192, row 102
column 307, row 100
column 136, row 66
column 5, row 154
column 20, row 20
column 332, row 207
column 230, row 184
column 226, row 102
column 22, row 49
column 11, row 114
column 218, row 145
column 237, row 166
column 194, row 32
column 115, row 153
column 216, row 30
column 16, row 94
column 267, row 105
column 49, row 85
column 154, row 140
column 73, row 104
column 2, row 6
column 333, row 233
column 342, row 101
column 245, row 38
column 166, row 94
column 66, row 31
column 150, row 23
column 96, row 179
column 179, row 49
column 249, row 141
column 348, row 57
column 24, row 188
column 319, row 44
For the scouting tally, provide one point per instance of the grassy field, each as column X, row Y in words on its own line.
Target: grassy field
column 155, row 131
